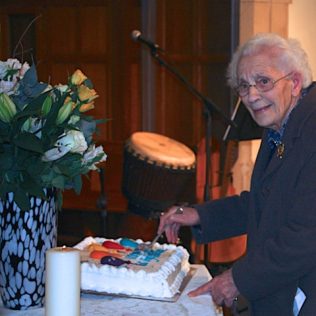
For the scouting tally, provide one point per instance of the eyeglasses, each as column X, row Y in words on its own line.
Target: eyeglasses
column 262, row 84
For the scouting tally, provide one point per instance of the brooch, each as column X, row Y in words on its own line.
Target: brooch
column 280, row 150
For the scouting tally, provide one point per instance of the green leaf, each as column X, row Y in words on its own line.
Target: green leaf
column 4, row 131
column 58, row 182
column 31, row 186
column 29, row 141
column 6, row 159
column 5, row 188
column 78, row 184
column 22, row 199
column 36, row 167
column 59, row 200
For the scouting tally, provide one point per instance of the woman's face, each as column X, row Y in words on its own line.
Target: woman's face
column 269, row 108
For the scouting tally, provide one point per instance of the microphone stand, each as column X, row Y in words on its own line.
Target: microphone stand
column 209, row 108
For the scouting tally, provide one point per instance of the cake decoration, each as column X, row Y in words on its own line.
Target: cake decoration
column 129, row 243
column 128, row 270
column 143, row 257
column 98, row 254
column 112, row 261
column 112, row 245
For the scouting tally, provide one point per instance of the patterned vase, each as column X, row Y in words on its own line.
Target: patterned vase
column 24, row 238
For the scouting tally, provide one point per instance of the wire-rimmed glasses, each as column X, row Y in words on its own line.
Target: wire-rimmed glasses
column 262, row 84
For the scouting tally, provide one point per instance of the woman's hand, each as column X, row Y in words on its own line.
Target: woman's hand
column 174, row 218
column 222, row 288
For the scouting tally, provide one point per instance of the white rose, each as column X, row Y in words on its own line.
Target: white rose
column 63, row 88
column 25, row 67
column 74, row 119
column 78, row 143
column 73, row 141
column 7, row 86
column 91, row 153
column 55, row 153
column 13, row 63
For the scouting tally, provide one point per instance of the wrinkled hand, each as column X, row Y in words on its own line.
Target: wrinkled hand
column 222, row 288
column 171, row 221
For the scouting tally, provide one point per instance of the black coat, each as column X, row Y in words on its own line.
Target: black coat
column 279, row 216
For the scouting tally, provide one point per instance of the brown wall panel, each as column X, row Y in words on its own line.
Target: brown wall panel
column 94, row 24
column 61, row 36
column 196, row 37
column 176, row 19
column 95, row 36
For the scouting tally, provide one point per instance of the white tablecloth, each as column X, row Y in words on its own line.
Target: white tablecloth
column 97, row 305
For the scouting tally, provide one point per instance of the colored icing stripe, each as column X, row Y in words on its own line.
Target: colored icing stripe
column 112, row 261
column 126, row 242
column 97, row 254
column 112, row 245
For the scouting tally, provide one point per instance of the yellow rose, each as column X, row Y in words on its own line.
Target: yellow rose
column 78, row 77
column 86, row 107
column 86, row 94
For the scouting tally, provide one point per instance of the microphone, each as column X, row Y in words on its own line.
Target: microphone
column 137, row 37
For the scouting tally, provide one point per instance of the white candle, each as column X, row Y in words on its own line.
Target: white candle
column 62, row 285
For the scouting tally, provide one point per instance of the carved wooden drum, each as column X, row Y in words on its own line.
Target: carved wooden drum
column 157, row 173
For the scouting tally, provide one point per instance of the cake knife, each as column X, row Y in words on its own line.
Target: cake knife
column 144, row 246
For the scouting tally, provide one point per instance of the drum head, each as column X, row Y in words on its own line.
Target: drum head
column 162, row 149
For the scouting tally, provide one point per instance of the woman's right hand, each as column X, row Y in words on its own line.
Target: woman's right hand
column 174, row 218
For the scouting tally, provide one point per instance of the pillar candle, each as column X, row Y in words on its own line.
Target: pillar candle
column 62, row 285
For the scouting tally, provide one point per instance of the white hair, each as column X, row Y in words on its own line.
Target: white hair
column 288, row 53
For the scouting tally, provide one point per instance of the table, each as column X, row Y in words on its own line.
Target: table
column 97, row 305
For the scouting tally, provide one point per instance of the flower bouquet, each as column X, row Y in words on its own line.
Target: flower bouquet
column 46, row 137
column 46, row 145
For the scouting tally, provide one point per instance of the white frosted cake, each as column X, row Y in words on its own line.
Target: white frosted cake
column 120, row 267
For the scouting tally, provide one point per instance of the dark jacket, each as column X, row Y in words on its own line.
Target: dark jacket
column 279, row 216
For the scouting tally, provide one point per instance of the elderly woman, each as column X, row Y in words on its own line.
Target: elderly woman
column 277, row 275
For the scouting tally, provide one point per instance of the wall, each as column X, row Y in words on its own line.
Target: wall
column 302, row 26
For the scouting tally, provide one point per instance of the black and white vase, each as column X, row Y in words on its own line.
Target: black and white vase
column 24, row 238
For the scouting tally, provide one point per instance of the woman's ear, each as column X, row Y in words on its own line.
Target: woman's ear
column 297, row 83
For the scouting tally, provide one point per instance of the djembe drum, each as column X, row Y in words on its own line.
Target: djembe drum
column 157, row 173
